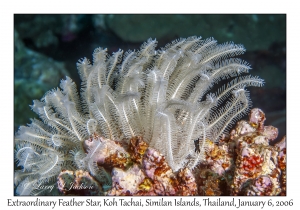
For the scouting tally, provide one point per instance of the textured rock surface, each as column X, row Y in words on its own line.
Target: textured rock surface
column 151, row 175
column 243, row 163
column 78, row 183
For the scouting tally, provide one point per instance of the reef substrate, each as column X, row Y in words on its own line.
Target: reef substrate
column 245, row 162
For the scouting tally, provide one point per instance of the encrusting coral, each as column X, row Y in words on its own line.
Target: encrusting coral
column 166, row 97
column 146, row 172
column 245, row 162
column 257, row 170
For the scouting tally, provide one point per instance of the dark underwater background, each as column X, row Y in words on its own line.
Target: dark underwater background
column 48, row 46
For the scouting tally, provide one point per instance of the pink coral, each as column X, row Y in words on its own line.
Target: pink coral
column 78, row 183
column 106, row 152
column 256, row 160
column 126, row 182
column 243, row 163
column 151, row 175
column 262, row 185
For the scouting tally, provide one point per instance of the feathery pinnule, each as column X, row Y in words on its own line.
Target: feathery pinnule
column 163, row 95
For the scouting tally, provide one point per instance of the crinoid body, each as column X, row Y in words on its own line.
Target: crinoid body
column 166, row 96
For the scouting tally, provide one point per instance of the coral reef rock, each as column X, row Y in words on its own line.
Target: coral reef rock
column 257, row 169
column 245, row 163
column 150, row 175
column 78, row 183
column 242, row 163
